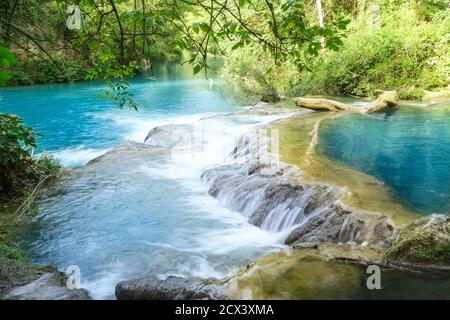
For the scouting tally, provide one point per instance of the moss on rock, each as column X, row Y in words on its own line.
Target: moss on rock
column 424, row 242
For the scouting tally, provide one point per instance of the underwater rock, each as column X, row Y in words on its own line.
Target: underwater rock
column 425, row 242
column 317, row 271
column 172, row 288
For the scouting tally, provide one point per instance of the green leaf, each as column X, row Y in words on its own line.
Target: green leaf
column 204, row 27
column 197, row 68
column 4, row 75
column 236, row 45
column 195, row 28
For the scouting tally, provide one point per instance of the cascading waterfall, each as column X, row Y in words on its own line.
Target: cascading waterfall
column 273, row 196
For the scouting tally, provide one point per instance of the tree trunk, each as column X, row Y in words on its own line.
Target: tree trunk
column 321, row 23
column 387, row 100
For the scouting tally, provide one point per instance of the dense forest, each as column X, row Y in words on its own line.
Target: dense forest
column 287, row 47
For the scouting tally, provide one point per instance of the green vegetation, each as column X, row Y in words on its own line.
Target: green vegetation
column 19, row 171
column 21, row 177
column 424, row 242
column 272, row 48
column 8, row 249
column 404, row 46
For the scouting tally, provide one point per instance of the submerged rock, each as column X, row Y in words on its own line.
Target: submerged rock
column 330, row 271
column 424, row 243
column 172, row 288
column 307, row 273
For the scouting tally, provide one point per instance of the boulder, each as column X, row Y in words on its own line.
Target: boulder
column 49, row 286
column 167, row 135
column 425, row 242
column 23, row 280
column 172, row 288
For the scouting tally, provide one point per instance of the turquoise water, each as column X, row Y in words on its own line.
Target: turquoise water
column 140, row 213
column 76, row 126
column 409, row 150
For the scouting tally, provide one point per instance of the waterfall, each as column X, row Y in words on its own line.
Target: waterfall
column 273, row 196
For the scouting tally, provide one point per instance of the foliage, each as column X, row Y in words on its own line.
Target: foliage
column 406, row 50
column 257, row 80
column 133, row 31
column 18, row 169
column 6, row 59
column 403, row 55
column 8, row 248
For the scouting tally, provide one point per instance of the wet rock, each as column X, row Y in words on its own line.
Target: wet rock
column 124, row 153
column 49, row 286
column 22, row 280
column 278, row 201
column 274, row 196
column 339, row 225
column 173, row 288
column 425, row 243
column 167, row 135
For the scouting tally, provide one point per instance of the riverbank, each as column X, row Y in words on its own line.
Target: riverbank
column 20, row 278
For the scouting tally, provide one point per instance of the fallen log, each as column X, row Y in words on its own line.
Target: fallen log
column 386, row 101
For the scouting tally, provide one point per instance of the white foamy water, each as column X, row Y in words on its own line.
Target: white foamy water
column 219, row 232
column 79, row 156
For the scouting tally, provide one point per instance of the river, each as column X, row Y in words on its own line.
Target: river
column 153, row 215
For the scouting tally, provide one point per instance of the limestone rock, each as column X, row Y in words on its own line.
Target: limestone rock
column 173, row 288
column 424, row 242
column 167, row 135
column 49, row 286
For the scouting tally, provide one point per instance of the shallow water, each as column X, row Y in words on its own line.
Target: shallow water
column 409, row 150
